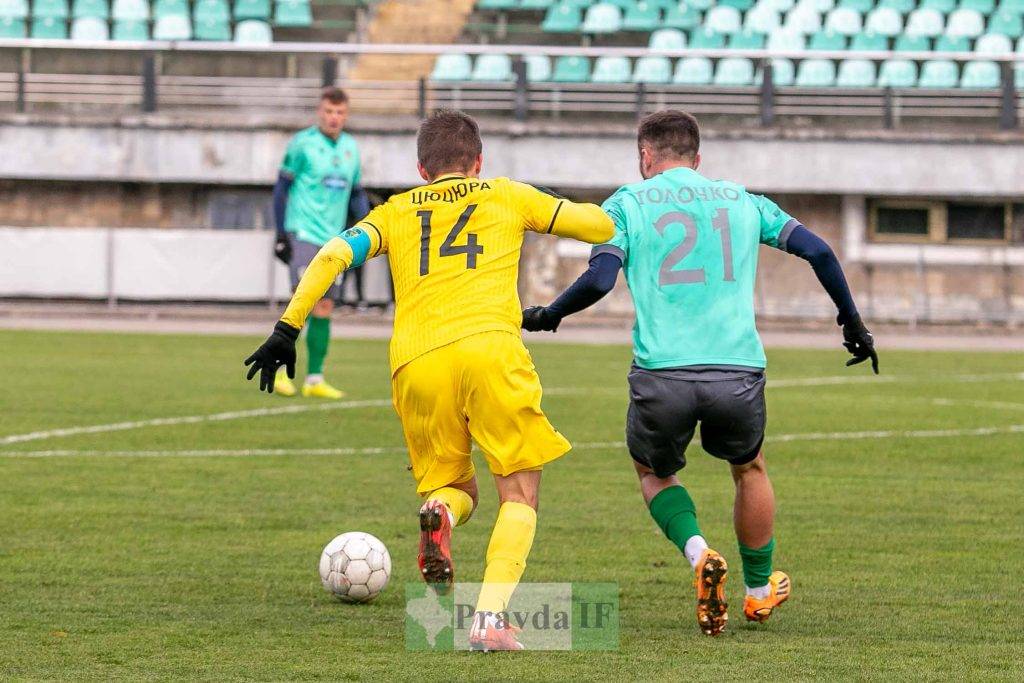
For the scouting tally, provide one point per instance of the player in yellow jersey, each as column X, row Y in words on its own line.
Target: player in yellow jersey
column 460, row 372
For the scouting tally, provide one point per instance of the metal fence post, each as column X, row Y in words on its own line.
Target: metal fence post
column 767, row 93
column 421, row 106
column 329, row 71
column 887, row 112
column 149, row 84
column 641, row 99
column 522, row 95
column 20, row 104
column 1008, row 108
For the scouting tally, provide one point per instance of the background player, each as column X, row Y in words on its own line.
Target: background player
column 689, row 246
column 459, row 367
column 317, row 188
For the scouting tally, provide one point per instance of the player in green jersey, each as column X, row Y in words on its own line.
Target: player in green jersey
column 316, row 197
column 689, row 248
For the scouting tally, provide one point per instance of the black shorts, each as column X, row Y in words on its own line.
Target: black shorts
column 666, row 405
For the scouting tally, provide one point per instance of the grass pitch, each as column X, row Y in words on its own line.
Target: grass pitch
column 188, row 549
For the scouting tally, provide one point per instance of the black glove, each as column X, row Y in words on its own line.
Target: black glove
column 283, row 249
column 540, row 319
column 859, row 342
column 278, row 350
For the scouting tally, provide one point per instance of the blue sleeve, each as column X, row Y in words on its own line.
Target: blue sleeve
column 281, row 189
column 589, row 288
column 808, row 246
column 358, row 205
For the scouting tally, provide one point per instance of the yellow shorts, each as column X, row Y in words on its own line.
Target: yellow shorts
column 482, row 388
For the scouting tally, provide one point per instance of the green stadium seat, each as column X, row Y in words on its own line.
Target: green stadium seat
column 778, row 5
column 803, row 20
column 210, row 28
column 90, row 29
column 938, row 73
column 723, row 19
column 682, row 17
column 169, row 8
column 253, row 32
column 623, row 5
column 993, row 44
column 1011, row 6
column 49, row 28
column 860, row 6
column 844, row 21
column 901, row 6
column 826, row 40
column 856, row 73
column 611, row 70
column 50, row 9
column 897, row 73
column 172, row 27
column 701, row 5
column 652, row 70
column 869, row 42
column 252, row 9
column 571, row 69
column 96, row 9
column 130, row 30
column 706, row 39
column 885, row 21
column 693, row 71
column 492, row 68
column 782, row 73
column 817, row 5
column 562, row 18
column 741, row 5
column 908, row 43
column 1006, row 22
column 786, row 41
column 497, row 4
column 12, row 27
column 1020, row 44
column 543, row 5
column 130, row 10
column 983, row 6
column 643, row 16
column 212, row 10
column 734, row 72
column 944, row 6
column 602, row 18
column 14, row 9
column 452, row 67
column 816, row 73
column 925, row 22
column 965, row 22
column 980, row 75
column 667, row 39
column 538, row 68
column 747, row 40
column 951, row 44
column 762, row 19
column 295, row 13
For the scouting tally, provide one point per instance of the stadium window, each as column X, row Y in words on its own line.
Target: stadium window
column 987, row 222
column 914, row 221
column 906, row 221
column 1017, row 223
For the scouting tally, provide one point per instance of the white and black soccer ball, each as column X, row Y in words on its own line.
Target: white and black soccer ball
column 355, row 567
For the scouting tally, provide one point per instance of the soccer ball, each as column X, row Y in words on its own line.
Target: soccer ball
column 355, row 567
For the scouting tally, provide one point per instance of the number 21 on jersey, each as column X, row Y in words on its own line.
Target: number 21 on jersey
column 667, row 274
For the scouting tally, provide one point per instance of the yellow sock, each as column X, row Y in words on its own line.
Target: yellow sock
column 506, row 555
column 458, row 501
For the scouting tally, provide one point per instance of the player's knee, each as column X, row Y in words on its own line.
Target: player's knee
column 754, row 468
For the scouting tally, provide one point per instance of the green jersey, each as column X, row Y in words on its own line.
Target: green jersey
column 689, row 249
column 323, row 173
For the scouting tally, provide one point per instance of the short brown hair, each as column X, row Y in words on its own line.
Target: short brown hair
column 334, row 95
column 448, row 141
column 670, row 133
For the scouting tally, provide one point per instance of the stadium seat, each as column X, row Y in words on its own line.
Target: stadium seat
column 938, row 73
column 168, row 8
column 925, row 22
column 497, row 4
column 538, row 68
column 172, row 27
column 856, row 73
column 885, row 21
column 980, row 75
column 611, row 70
column 90, row 29
column 252, row 9
column 296, row 13
column 993, row 43
column 869, row 42
column 803, row 20
column 652, row 70
column 682, row 17
column 844, row 21
column 901, row 6
column 130, row 10
column 693, row 71
column 50, row 9
column 741, row 5
column 778, row 5
column 786, row 41
column 700, row 5
column 131, row 30
column 667, row 39
column 212, row 10
column 827, row 40
column 452, row 67
column 762, row 19
column 209, row 28
column 859, row 6
column 723, row 19
column 734, row 71
column 14, row 9
column 746, row 40
column 952, row 44
column 816, row 73
column 1020, row 44
column 623, row 5
column 602, row 18
column 571, row 69
column 706, row 39
column 782, row 73
column 944, row 6
column 897, row 73
column 908, row 43
column 982, row 6
column 12, row 27
column 542, row 5
column 253, row 31
column 643, row 16
column 96, row 9
column 965, row 22
column 562, row 18
column 817, row 5
column 1011, row 6
column 1007, row 22
column 492, row 68
column 49, row 28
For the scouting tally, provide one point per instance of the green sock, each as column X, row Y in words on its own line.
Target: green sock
column 757, row 564
column 675, row 513
column 317, row 337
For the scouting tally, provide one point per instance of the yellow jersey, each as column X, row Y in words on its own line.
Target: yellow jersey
column 453, row 247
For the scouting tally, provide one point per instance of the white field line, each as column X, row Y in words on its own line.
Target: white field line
column 596, row 445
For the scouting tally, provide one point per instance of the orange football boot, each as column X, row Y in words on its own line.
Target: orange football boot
column 435, row 557
column 489, row 635
column 709, row 581
column 759, row 609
